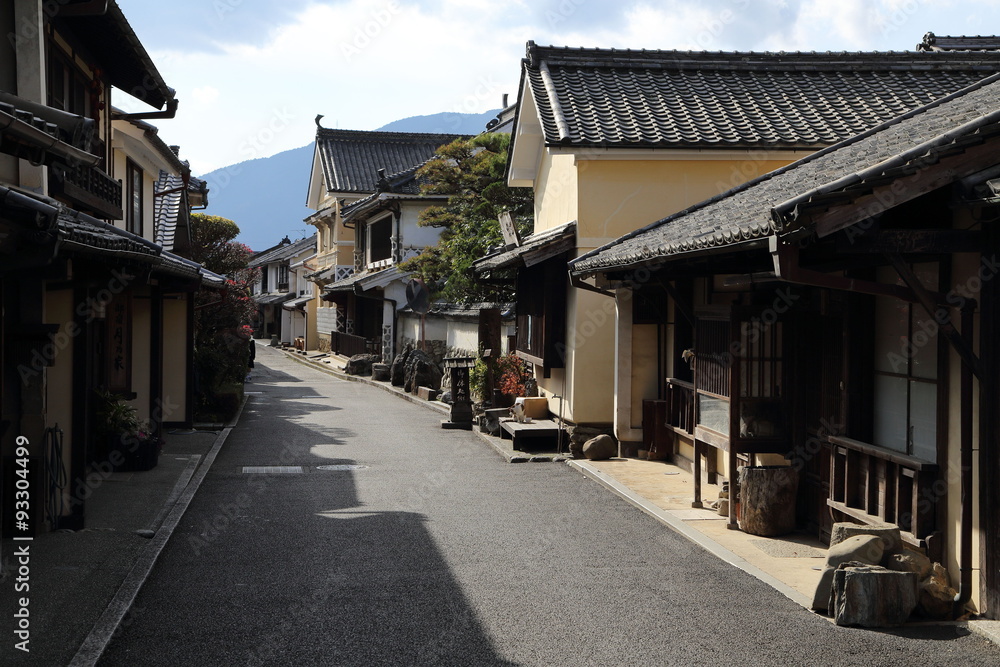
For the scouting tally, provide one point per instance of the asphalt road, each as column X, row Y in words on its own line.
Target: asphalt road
column 437, row 552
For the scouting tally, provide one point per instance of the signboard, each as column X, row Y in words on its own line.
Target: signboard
column 509, row 231
column 119, row 347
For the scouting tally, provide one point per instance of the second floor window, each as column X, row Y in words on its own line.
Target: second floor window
column 133, row 198
column 380, row 240
column 67, row 86
column 283, row 276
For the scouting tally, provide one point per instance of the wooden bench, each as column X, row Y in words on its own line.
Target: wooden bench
column 535, row 429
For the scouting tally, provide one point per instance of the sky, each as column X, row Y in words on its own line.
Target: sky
column 251, row 75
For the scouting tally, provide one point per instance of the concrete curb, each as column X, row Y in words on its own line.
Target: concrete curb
column 104, row 629
column 666, row 518
column 987, row 629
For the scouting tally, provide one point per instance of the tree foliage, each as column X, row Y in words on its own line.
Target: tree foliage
column 471, row 173
column 222, row 317
column 213, row 245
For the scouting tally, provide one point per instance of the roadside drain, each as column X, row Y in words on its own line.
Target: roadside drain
column 272, row 470
column 342, row 466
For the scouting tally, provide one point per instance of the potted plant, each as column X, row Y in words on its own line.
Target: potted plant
column 116, row 425
column 147, row 446
column 513, row 378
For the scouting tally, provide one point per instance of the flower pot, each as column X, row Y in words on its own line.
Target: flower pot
column 146, row 455
column 502, row 400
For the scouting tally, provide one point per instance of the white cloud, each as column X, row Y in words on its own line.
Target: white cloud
column 364, row 63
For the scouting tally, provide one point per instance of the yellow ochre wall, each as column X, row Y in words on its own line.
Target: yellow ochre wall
column 610, row 197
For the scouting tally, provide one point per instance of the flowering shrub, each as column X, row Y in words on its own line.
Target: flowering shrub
column 513, row 374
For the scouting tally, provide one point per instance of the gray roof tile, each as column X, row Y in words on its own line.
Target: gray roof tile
column 771, row 203
column 623, row 98
column 351, row 158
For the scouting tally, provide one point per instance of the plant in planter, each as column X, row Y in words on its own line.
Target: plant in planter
column 513, row 381
column 147, row 444
column 116, row 425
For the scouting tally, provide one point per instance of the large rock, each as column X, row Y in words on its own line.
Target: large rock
column 397, row 371
column 380, row 372
column 889, row 534
column 910, row 561
column 360, row 364
column 865, row 549
column 936, row 597
column 601, row 448
column 870, row 596
column 421, row 371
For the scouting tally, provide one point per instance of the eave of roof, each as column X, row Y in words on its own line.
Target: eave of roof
column 533, row 248
column 110, row 40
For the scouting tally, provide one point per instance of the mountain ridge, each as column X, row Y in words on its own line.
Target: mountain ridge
column 266, row 196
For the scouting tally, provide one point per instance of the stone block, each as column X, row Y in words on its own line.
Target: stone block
column 381, row 372
column 601, row 448
column 889, row 534
column 767, row 499
column 870, row 596
column 427, row 393
column 859, row 549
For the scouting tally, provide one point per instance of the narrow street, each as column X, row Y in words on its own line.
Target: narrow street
column 433, row 551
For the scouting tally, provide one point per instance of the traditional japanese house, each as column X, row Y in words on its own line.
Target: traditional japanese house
column 347, row 167
column 386, row 232
column 839, row 315
column 611, row 140
column 90, row 301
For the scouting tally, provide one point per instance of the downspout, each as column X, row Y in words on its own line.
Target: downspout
column 965, row 536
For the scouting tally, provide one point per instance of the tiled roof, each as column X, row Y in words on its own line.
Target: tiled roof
column 771, row 203
column 540, row 245
column 622, row 98
column 81, row 233
column 167, row 208
column 284, row 251
column 351, row 159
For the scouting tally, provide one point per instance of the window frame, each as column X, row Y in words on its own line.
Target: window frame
column 134, row 196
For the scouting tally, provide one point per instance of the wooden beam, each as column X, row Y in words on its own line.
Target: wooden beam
column 926, row 299
column 910, row 241
column 905, row 188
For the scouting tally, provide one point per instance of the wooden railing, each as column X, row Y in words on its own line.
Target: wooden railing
column 89, row 188
column 349, row 345
column 875, row 485
column 680, row 402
